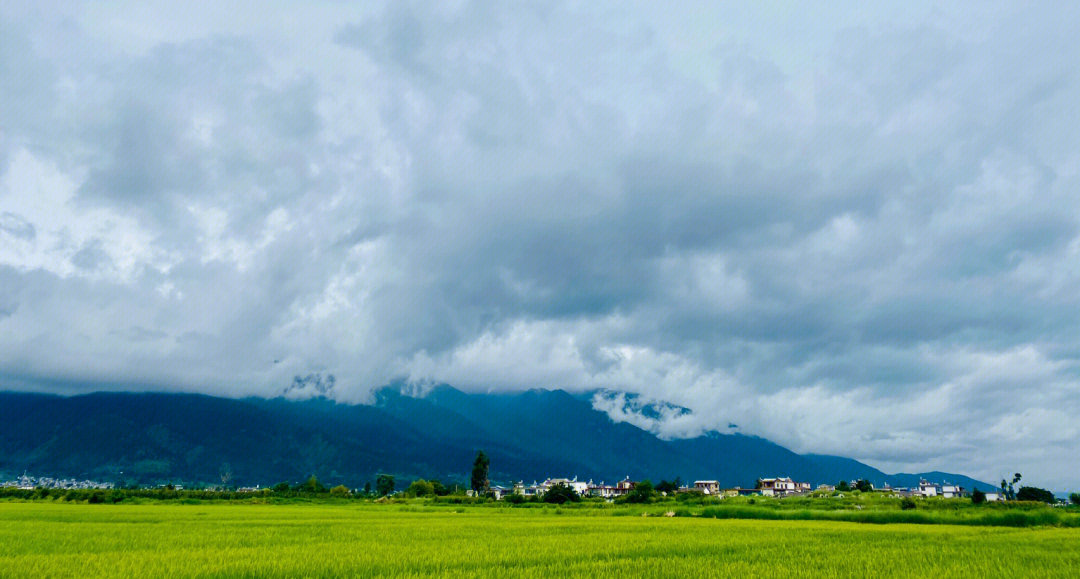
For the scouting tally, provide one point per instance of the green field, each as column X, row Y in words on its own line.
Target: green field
column 347, row 539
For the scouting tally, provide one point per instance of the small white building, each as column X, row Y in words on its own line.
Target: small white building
column 602, row 490
column 580, row 487
column 708, row 487
column 933, row 489
column 952, row 491
column 781, row 486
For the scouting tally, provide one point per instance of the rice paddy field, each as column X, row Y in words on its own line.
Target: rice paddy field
column 365, row 540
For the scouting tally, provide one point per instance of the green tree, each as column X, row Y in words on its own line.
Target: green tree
column 367, row 488
column 669, row 487
column 420, row 488
column 560, row 493
column 1007, row 489
column 225, row 473
column 438, row 488
column 843, row 486
column 1074, row 498
column 282, row 487
column 311, row 485
column 978, row 497
column 863, row 485
column 340, row 491
column 1035, row 494
column 690, row 496
column 479, row 481
column 384, row 485
column 641, row 493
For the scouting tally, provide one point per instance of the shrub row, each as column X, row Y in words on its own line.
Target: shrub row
column 996, row 518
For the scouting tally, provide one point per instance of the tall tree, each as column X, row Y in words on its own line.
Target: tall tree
column 384, row 484
column 1007, row 488
column 479, row 482
column 226, row 474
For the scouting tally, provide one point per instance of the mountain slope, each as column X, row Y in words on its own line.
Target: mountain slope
column 529, row 435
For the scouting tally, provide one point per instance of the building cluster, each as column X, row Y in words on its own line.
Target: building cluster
column 769, row 487
column 32, row 482
column 927, row 489
column 944, row 490
column 778, row 487
column 585, row 489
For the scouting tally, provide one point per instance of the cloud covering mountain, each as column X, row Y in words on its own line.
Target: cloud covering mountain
column 850, row 230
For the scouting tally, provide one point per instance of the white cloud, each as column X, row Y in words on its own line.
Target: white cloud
column 849, row 229
column 48, row 230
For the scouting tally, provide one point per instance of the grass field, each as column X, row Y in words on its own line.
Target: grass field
column 215, row 540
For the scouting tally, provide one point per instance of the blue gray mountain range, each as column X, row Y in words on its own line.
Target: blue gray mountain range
column 151, row 438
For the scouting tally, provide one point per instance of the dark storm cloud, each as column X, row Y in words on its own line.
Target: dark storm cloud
column 852, row 230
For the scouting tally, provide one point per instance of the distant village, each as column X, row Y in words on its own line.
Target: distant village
column 769, row 487
column 28, row 482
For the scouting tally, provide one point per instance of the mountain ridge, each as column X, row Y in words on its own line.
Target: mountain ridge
column 167, row 437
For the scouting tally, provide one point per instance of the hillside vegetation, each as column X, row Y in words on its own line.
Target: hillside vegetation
column 192, row 439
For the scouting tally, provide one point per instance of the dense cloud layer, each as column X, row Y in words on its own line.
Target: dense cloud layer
column 852, row 231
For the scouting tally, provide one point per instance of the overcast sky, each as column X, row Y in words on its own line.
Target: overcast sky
column 850, row 230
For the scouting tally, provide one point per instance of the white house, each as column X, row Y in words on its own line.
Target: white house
column 781, row 486
column 952, row 491
column 580, row 487
column 932, row 489
column 708, row 487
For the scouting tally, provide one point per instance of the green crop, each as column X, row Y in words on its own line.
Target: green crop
column 349, row 539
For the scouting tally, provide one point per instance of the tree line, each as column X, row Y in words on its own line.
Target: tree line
column 479, row 483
